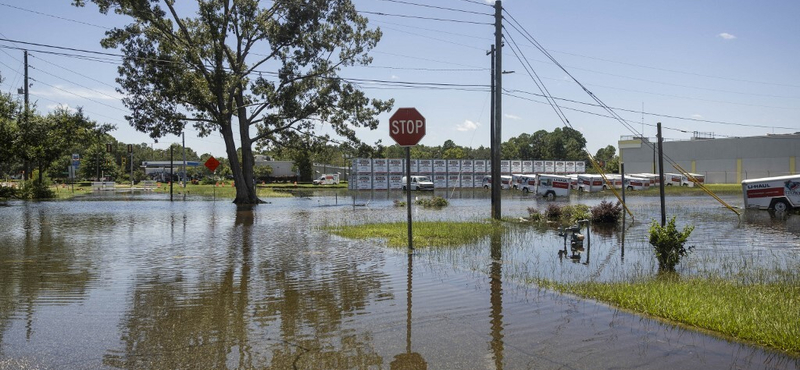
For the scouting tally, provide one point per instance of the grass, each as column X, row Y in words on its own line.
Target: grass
column 425, row 233
column 763, row 313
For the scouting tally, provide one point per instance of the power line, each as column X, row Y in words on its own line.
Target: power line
column 53, row 16
column 425, row 18
column 435, row 7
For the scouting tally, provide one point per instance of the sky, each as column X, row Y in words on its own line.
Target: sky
column 701, row 68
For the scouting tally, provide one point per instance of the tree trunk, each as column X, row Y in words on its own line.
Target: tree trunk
column 243, row 192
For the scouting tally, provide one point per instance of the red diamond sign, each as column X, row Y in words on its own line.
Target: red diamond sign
column 212, row 164
column 407, row 126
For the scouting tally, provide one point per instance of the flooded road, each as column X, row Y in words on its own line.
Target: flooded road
column 142, row 282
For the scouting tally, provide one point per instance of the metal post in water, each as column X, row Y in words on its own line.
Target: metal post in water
column 170, row 173
column 661, row 175
column 622, row 172
column 408, row 197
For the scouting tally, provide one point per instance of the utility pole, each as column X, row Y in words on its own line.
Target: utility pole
column 183, row 138
column 498, row 109
column 661, row 175
column 26, row 165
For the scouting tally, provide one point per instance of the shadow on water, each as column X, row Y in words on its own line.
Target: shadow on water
column 211, row 285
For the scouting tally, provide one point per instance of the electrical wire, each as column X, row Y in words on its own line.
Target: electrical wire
column 435, row 7
column 425, row 18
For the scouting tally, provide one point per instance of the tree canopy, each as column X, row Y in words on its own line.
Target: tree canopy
column 268, row 70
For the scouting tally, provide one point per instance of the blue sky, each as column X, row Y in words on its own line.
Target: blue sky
column 728, row 68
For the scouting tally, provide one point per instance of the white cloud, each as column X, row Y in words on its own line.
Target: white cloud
column 53, row 107
column 697, row 116
column 511, row 116
column 468, row 126
column 726, row 36
column 394, row 77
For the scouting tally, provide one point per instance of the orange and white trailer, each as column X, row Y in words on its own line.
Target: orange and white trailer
column 781, row 193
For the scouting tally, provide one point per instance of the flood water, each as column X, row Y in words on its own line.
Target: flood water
column 139, row 282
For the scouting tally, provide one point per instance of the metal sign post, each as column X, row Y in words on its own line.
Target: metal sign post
column 407, row 128
column 408, row 197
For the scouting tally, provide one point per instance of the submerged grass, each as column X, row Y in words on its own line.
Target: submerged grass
column 763, row 313
column 425, row 233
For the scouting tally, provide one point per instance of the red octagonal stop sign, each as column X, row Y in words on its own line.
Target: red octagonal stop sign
column 407, row 126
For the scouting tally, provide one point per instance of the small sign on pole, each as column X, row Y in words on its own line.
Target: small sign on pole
column 407, row 128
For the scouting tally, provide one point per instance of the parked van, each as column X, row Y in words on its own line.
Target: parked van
column 636, row 183
column 505, row 182
column 515, row 180
column 780, row 193
column 653, row 178
column 590, row 183
column 551, row 186
column 573, row 180
column 615, row 180
column 327, row 179
column 527, row 184
column 419, row 183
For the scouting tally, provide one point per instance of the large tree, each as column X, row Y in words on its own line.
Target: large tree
column 270, row 71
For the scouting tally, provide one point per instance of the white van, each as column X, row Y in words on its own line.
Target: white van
column 780, row 193
column 551, row 186
column 505, row 182
column 636, row 183
column 527, row 184
column 590, row 183
column 419, row 183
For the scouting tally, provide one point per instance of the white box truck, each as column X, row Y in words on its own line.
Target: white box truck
column 327, row 179
column 781, row 193
column 527, row 183
column 551, row 186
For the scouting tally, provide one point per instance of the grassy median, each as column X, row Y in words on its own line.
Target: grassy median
column 767, row 314
column 425, row 233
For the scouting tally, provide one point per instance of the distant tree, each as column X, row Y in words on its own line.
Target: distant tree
column 212, row 70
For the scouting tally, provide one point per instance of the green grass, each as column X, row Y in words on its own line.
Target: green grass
column 764, row 313
column 425, row 233
column 224, row 191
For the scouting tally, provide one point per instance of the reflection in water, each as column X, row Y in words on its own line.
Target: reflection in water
column 40, row 266
column 291, row 313
column 154, row 284
column 409, row 360
column 496, row 298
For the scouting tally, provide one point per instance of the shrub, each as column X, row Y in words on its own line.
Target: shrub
column 32, row 189
column 575, row 212
column 606, row 212
column 534, row 215
column 7, row 192
column 668, row 243
column 434, row 202
column 553, row 212
column 399, row 203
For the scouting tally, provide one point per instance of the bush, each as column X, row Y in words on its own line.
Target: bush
column 606, row 212
column 553, row 212
column 32, row 189
column 434, row 202
column 7, row 192
column 534, row 215
column 399, row 203
column 575, row 212
column 668, row 243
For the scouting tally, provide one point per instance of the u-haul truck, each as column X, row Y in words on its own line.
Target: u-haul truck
column 551, row 186
column 636, row 183
column 780, row 193
column 590, row 183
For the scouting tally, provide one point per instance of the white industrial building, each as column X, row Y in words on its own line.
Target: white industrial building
column 724, row 160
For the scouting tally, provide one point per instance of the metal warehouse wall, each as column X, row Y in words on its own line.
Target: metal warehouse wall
column 729, row 160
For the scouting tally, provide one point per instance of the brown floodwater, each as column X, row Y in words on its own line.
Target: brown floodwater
column 139, row 282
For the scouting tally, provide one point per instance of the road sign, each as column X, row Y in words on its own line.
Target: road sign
column 212, row 164
column 407, row 126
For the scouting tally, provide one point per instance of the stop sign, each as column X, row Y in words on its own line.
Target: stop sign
column 407, row 126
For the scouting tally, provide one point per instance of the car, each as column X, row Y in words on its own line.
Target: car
column 418, row 183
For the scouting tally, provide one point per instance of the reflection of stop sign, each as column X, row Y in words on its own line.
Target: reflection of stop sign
column 407, row 126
